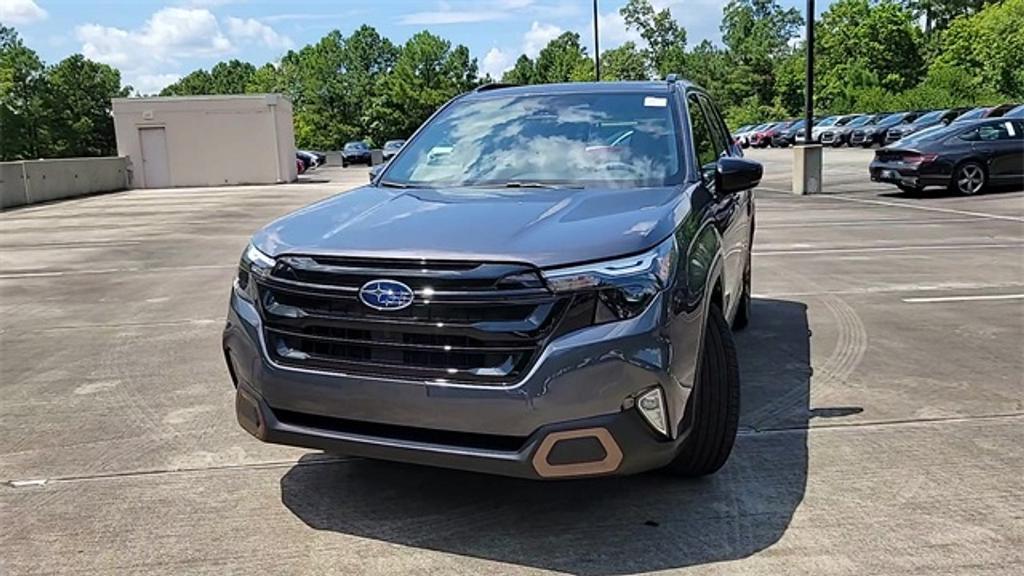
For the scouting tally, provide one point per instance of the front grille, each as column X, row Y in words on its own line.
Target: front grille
column 469, row 322
column 857, row 136
column 893, row 135
column 828, row 136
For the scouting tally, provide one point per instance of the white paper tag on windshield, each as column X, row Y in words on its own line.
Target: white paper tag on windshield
column 1009, row 128
column 655, row 102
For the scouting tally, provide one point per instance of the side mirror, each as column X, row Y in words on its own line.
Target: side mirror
column 375, row 171
column 734, row 175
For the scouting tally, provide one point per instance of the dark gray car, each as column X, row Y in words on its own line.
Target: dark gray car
column 540, row 284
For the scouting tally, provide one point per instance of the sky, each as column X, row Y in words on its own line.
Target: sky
column 155, row 42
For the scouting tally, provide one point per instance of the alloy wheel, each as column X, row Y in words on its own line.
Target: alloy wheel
column 970, row 179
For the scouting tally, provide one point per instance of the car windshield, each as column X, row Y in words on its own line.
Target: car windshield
column 860, row 121
column 972, row 114
column 355, row 146
column 930, row 117
column 624, row 139
column 938, row 131
column 1017, row 112
column 797, row 125
column 891, row 119
column 828, row 121
column 393, row 144
column 845, row 121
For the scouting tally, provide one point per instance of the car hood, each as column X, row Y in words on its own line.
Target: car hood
column 543, row 227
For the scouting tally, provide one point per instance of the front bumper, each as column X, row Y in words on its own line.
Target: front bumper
column 572, row 415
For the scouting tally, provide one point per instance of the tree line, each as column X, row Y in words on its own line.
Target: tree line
column 871, row 56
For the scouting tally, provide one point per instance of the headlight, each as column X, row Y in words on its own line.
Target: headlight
column 624, row 286
column 254, row 264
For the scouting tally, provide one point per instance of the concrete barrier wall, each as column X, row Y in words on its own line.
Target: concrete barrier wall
column 34, row 181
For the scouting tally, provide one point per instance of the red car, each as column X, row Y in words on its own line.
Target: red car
column 763, row 138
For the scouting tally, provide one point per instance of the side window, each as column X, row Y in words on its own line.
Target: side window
column 703, row 141
column 718, row 129
column 970, row 135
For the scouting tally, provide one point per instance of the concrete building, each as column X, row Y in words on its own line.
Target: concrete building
column 206, row 140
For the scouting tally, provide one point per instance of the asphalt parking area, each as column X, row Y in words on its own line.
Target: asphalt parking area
column 883, row 404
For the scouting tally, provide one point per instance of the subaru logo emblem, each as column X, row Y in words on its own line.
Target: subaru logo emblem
column 386, row 295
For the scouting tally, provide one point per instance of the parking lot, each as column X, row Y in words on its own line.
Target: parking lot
column 882, row 428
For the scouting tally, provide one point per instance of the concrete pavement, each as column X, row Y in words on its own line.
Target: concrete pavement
column 883, row 403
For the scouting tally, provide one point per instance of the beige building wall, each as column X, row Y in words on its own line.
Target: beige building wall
column 208, row 140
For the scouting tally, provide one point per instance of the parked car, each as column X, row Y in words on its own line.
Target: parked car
column 828, row 124
column 838, row 133
column 873, row 133
column 425, row 318
column 743, row 136
column 309, row 160
column 984, row 112
column 355, row 153
column 933, row 118
column 391, row 147
column 964, row 156
column 763, row 138
column 834, row 134
column 1015, row 112
column 789, row 135
column 742, row 129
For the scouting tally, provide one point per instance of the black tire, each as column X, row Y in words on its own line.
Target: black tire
column 742, row 318
column 713, row 410
column 969, row 178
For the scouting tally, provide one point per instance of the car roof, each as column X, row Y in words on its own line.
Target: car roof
column 577, row 88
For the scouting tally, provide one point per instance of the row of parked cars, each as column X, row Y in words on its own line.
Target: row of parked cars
column 865, row 130
column 358, row 152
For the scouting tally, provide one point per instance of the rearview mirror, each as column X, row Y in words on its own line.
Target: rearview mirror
column 736, row 174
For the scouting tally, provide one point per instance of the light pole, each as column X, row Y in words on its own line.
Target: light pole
column 807, row 155
column 809, row 89
column 597, row 47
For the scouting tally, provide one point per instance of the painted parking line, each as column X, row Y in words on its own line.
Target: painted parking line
column 925, row 208
column 978, row 297
column 1017, row 245
column 872, row 222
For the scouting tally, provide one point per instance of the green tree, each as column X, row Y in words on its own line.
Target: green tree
column 524, row 72
column 665, row 38
column 881, row 37
column 626, row 62
column 708, row 66
column 192, row 84
column 562, row 56
column 988, row 48
column 78, row 107
column 21, row 85
column 427, row 73
column 756, row 34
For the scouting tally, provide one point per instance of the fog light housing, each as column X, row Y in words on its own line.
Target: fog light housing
column 651, row 405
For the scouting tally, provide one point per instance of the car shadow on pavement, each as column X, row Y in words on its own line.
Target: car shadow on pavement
column 603, row 526
column 947, row 193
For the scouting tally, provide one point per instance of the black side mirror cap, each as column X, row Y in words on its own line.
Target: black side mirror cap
column 737, row 174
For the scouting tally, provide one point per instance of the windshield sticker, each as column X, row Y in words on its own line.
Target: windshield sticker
column 1009, row 128
column 655, row 102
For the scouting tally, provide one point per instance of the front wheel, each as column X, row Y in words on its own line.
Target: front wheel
column 969, row 178
column 714, row 406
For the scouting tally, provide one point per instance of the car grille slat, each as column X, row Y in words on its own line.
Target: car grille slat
column 486, row 326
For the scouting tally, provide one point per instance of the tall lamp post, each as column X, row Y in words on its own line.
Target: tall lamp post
column 597, row 47
column 807, row 156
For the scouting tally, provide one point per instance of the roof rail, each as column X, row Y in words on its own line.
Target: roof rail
column 671, row 78
column 494, row 86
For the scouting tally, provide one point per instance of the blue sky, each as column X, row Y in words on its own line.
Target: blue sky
column 155, row 42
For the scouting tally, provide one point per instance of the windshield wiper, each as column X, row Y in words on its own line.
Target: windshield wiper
column 521, row 184
column 389, row 184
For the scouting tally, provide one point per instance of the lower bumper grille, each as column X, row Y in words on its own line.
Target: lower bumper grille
column 468, row 322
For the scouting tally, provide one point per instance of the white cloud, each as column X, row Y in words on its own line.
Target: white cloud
column 538, row 36
column 151, row 83
column 496, row 62
column 21, row 12
column 467, row 12
column 614, row 32
column 169, row 34
column 254, row 30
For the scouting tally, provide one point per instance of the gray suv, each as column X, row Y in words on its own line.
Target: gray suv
column 541, row 283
